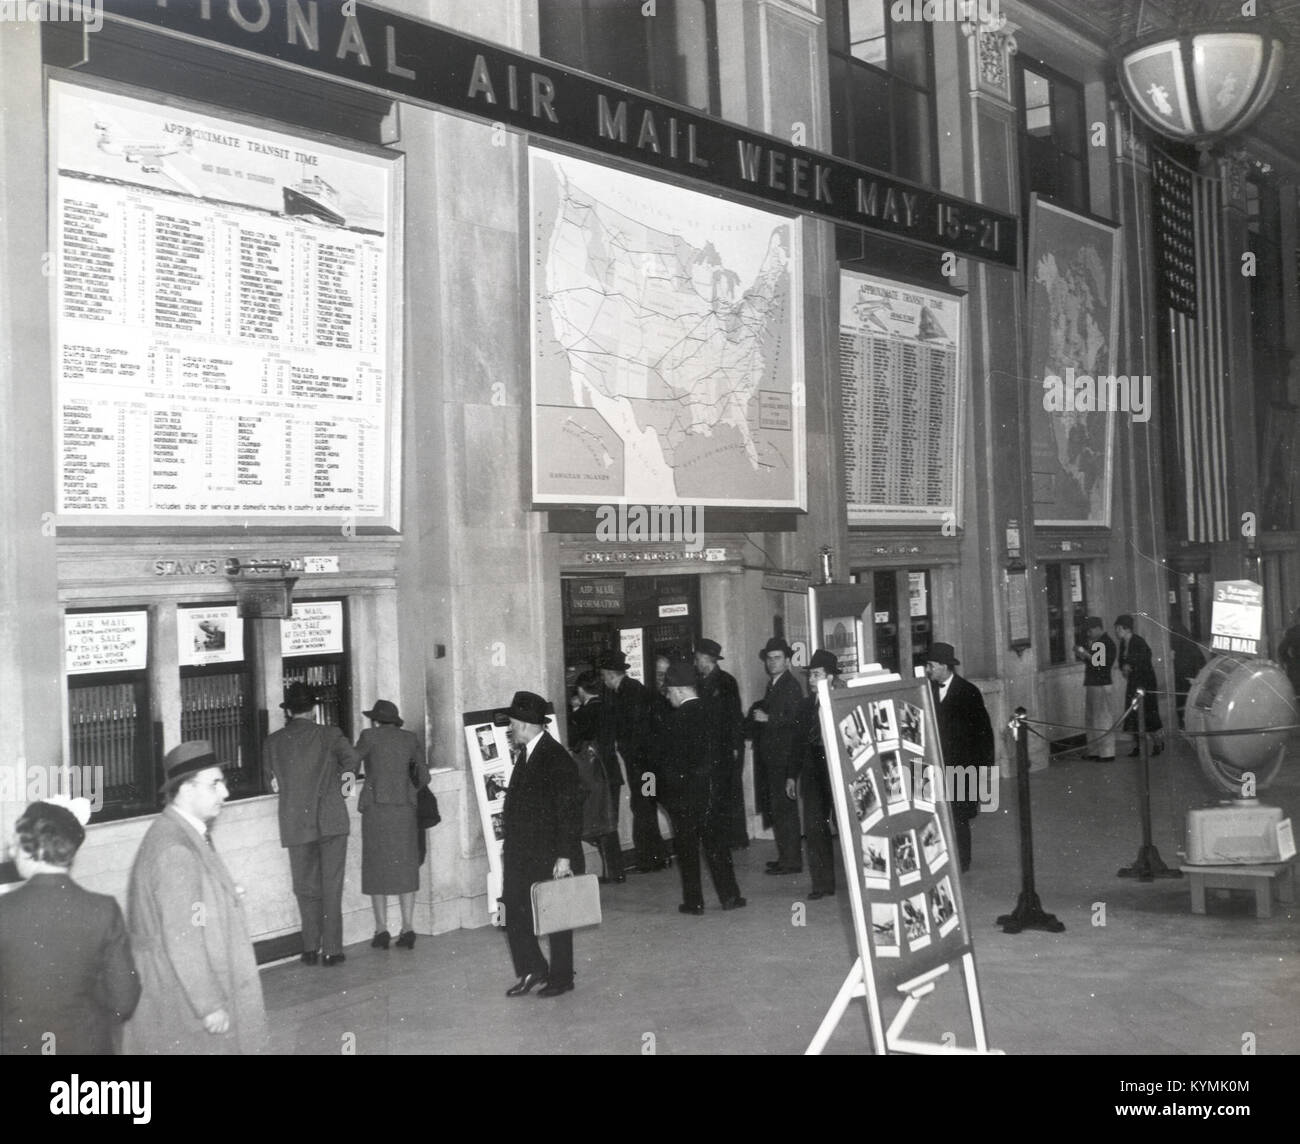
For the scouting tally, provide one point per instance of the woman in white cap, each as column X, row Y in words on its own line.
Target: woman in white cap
column 390, row 844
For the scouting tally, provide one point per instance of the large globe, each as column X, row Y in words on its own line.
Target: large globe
column 1232, row 693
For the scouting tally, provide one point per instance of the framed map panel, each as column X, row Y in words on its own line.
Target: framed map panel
column 667, row 343
column 1073, row 284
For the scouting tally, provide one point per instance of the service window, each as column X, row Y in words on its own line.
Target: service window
column 1067, row 608
column 313, row 647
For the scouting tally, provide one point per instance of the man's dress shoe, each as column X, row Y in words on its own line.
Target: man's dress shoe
column 333, row 959
column 549, row 990
column 734, row 904
column 817, row 895
column 310, row 958
column 688, row 908
column 785, row 870
column 773, row 865
column 616, row 881
column 525, row 984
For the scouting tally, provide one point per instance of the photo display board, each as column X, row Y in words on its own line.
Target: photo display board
column 901, row 379
column 900, row 856
column 227, row 344
column 491, row 766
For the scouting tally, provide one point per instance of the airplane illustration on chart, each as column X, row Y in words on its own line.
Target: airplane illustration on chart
column 151, row 157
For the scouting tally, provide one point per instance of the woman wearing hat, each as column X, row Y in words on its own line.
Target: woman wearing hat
column 390, row 862
column 67, row 979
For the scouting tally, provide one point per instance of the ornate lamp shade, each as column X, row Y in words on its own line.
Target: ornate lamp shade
column 1197, row 86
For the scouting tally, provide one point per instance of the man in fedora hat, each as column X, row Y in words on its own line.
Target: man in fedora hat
column 965, row 735
column 304, row 761
column 775, row 722
column 812, row 779
column 542, row 839
column 721, row 698
column 626, row 737
column 691, row 782
column 200, row 991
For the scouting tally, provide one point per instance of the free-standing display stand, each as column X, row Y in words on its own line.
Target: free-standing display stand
column 896, row 836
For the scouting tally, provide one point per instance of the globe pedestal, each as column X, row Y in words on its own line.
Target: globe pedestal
column 1245, row 832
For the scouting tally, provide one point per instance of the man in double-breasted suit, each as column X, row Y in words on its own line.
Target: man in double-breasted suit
column 305, row 761
column 776, row 720
column 66, row 974
column 965, row 735
column 542, row 839
column 200, row 992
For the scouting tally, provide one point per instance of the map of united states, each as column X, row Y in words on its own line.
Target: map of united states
column 665, row 343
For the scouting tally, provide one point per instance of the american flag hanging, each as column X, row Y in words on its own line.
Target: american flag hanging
column 1189, row 260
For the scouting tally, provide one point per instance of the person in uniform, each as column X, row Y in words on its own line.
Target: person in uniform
column 542, row 831
column 776, row 722
column 813, row 778
column 304, row 761
column 390, row 850
column 721, row 698
column 692, row 787
column 200, row 990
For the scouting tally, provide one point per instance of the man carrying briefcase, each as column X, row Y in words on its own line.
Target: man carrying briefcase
column 542, row 828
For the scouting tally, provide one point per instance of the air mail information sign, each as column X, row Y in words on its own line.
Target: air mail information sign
column 423, row 63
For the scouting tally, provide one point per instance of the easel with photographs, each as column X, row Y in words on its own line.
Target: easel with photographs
column 491, row 765
column 896, row 837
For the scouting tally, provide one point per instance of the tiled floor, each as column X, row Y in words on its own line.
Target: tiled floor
column 1153, row 979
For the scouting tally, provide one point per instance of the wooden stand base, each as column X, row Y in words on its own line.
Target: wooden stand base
column 1262, row 880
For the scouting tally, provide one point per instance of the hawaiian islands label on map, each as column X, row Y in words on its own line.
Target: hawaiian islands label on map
column 667, row 355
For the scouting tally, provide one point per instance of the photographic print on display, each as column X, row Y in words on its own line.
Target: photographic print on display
column 498, row 829
column 875, row 861
column 916, row 922
column 853, row 732
column 891, row 765
column 928, row 785
column 487, row 747
column 911, row 727
column 933, row 847
column 906, row 858
column 884, row 725
column 884, row 928
column 494, row 785
column 942, row 907
column 866, row 800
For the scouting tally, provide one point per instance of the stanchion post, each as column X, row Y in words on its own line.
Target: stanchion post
column 1148, row 865
column 1029, row 913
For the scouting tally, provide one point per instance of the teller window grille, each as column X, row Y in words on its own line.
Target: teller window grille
column 1065, row 585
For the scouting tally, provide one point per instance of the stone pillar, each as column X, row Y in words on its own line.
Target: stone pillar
column 31, row 629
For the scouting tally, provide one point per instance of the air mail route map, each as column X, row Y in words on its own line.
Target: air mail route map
column 665, row 340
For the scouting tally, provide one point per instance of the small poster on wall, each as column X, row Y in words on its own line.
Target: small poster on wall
column 209, row 635
column 105, row 641
column 315, row 628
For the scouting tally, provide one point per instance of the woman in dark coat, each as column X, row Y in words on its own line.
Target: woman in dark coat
column 390, row 862
column 1138, row 668
column 67, row 978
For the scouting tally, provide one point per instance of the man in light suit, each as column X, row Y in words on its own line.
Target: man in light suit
column 965, row 735
column 66, row 974
column 200, row 990
column 305, row 761
column 542, row 825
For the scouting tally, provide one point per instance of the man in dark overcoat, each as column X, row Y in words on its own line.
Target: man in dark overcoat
column 812, row 778
column 721, row 698
column 776, row 727
column 692, row 789
column 626, row 736
column 542, row 834
column 965, row 736
column 1137, row 666
column 305, row 762
column 587, row 724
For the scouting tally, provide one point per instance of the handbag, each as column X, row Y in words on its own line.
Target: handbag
column 565, row 903
column 426, row 803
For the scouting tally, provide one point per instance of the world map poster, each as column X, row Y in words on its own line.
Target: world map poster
column 667, row 353
column 1073, row 329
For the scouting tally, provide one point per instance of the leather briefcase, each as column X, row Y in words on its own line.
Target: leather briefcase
column 565, row 903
